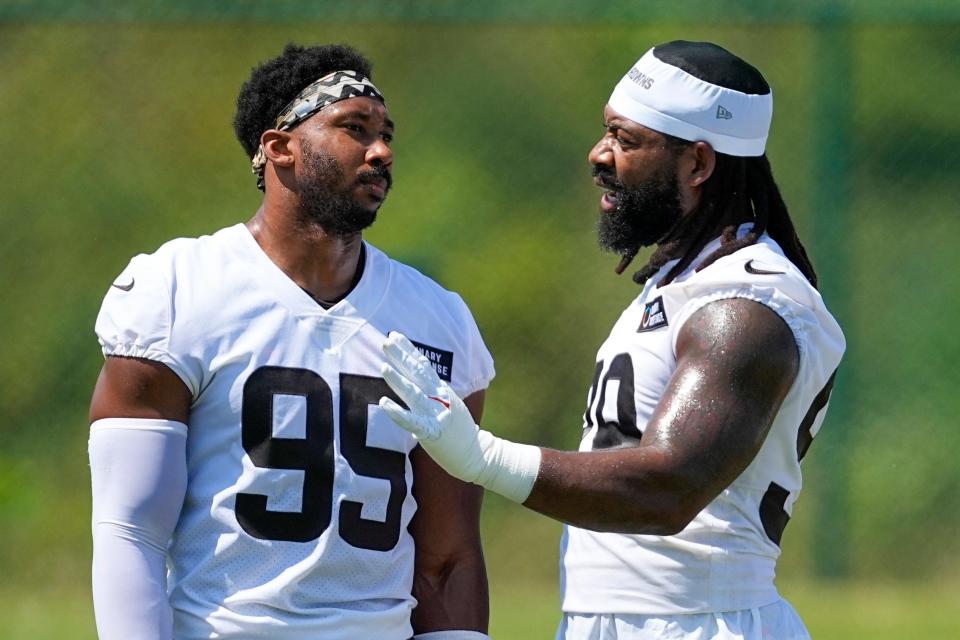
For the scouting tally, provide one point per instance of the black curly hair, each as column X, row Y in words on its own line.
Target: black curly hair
column 274, row 83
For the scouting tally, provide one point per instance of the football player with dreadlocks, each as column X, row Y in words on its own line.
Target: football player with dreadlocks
column 245, row 484
column 706, row 394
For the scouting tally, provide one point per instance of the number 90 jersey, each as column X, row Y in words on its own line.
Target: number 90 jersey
column 294, row 523
column 724, row 560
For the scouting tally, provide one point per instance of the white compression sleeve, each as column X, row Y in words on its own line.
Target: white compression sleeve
column 138, row 470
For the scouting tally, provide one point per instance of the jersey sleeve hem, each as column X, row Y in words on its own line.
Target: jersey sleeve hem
column 156, row 355
column 770, row 298
column 475, row 385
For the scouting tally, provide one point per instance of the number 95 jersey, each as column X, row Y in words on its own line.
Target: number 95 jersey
column 294, row 523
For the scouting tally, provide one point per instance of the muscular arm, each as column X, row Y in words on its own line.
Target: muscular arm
column 138, row 388
column 736, row 361
column 450, row 579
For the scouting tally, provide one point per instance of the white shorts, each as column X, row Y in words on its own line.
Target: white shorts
column 776, row 621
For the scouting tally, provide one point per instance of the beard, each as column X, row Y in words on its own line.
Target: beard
column 322, row 204
column 645, row 214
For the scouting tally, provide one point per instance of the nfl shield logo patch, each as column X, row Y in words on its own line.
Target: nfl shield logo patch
column 654, row 315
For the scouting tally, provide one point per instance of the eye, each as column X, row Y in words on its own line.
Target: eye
column 353, row 127
column 387, row 137
column 624, row 143
column 615, row 131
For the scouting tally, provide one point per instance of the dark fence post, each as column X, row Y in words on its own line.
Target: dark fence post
column 833, row 139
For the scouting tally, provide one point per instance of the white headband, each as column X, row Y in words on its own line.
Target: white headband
column 670, row 100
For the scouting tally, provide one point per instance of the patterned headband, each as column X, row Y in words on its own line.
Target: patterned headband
column 331, row 88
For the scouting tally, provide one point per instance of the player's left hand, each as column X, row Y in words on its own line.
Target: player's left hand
column 437, row 417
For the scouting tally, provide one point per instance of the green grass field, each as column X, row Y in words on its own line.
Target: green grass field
column 528, row 611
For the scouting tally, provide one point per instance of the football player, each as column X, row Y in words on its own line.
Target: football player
column 245, row 482
column 706, row 394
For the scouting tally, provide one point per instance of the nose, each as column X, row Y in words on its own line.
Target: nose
column 601, row 154
column 379, row 153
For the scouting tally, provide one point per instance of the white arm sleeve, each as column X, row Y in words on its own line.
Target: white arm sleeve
column 138, row 470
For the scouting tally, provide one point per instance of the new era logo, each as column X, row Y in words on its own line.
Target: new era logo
column 723, row 114
column 654, row 316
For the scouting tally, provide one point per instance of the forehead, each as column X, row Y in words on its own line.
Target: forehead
column 613, row 117
column 361, row 107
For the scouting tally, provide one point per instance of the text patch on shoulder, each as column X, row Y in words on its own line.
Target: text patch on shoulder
column 654, row 315
column 441, row 360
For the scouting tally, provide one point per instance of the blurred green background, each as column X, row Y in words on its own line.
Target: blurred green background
column 116, row 136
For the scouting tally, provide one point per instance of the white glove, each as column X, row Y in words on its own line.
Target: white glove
column 441, row 422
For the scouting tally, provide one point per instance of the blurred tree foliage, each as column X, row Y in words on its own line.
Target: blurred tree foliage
column 118, row 137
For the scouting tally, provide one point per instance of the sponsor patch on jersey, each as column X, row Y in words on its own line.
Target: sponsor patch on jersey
column 654, row 315
column 441, row 360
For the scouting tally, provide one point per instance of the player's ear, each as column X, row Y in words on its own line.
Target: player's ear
column 698, row 163
column 277, row 147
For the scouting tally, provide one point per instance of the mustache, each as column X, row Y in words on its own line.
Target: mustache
column 378, row 172
column 607, row 179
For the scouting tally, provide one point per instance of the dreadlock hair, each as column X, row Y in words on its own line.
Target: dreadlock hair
column 274, row 83
column 740, row 188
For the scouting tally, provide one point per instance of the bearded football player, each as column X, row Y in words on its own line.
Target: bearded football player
column 707, row 392
column 245, row 482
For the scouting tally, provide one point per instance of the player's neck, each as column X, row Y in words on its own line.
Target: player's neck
column 323, row 265
column 691, row 234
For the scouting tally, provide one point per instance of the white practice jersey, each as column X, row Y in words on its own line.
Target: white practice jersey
column 724, row 560
column 295, row 519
